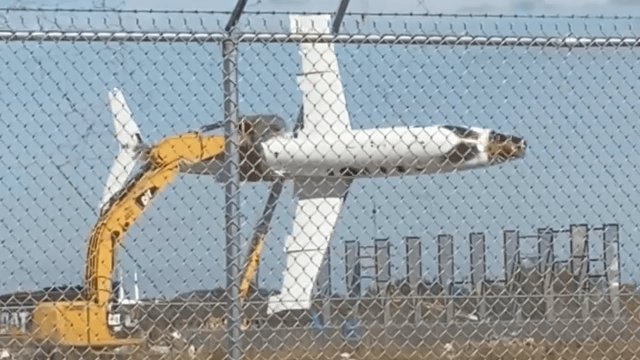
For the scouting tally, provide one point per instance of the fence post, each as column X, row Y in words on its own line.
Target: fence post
column 232, row 187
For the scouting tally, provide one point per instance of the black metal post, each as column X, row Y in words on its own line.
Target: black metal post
column 342, row 8
column 235, row 15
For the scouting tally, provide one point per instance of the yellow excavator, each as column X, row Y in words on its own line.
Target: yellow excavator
column 84, row 323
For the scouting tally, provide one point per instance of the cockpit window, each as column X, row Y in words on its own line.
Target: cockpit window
column 463, row 132
column 498, row 137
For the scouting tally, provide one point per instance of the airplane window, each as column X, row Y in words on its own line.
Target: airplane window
column 462, row 131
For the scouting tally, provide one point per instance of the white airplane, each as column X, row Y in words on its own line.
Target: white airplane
column 322, row 155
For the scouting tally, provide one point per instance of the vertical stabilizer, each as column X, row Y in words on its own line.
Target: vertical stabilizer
column 130, row 141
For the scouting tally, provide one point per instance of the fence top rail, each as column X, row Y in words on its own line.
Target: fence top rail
column 356, row 39
column 7, row 10
column 356, row 28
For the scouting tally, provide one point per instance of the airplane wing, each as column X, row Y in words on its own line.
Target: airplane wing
column 320, row 200
column 324, row 104
column 318, row 208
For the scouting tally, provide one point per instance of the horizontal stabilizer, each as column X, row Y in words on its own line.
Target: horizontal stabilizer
column 127, row 131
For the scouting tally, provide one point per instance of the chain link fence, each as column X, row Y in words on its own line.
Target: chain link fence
column 414, row 187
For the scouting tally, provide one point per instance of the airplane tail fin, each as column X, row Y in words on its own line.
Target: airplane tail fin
column 129, row 140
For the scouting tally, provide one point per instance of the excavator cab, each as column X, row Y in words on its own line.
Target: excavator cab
column 252, row 131
column 261, row 127
column 211, row 127
column 255, row 129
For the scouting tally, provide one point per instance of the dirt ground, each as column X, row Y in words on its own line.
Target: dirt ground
column 528, row 349
column 495, row 350
column 487, row 350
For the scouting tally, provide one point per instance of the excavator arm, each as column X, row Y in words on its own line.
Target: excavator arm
column 162, row 166
column 256, row 246
column 84, row 322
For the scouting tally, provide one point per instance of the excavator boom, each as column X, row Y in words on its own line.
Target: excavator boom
column 162, row 166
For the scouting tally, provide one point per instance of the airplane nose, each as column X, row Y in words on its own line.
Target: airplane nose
column 519, row 141
column 504, row 147
column 520, row 145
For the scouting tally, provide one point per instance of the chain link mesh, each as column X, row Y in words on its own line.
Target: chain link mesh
column 416, row 187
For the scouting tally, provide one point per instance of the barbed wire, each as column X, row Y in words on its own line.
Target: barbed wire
column 348, row 13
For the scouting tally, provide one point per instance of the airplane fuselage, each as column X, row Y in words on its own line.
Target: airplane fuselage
column 378, row 152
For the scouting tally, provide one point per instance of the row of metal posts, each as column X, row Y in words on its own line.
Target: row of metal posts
column 356, row 257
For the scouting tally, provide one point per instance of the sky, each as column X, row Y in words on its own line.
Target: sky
column 576, row 108
column 620, row 7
